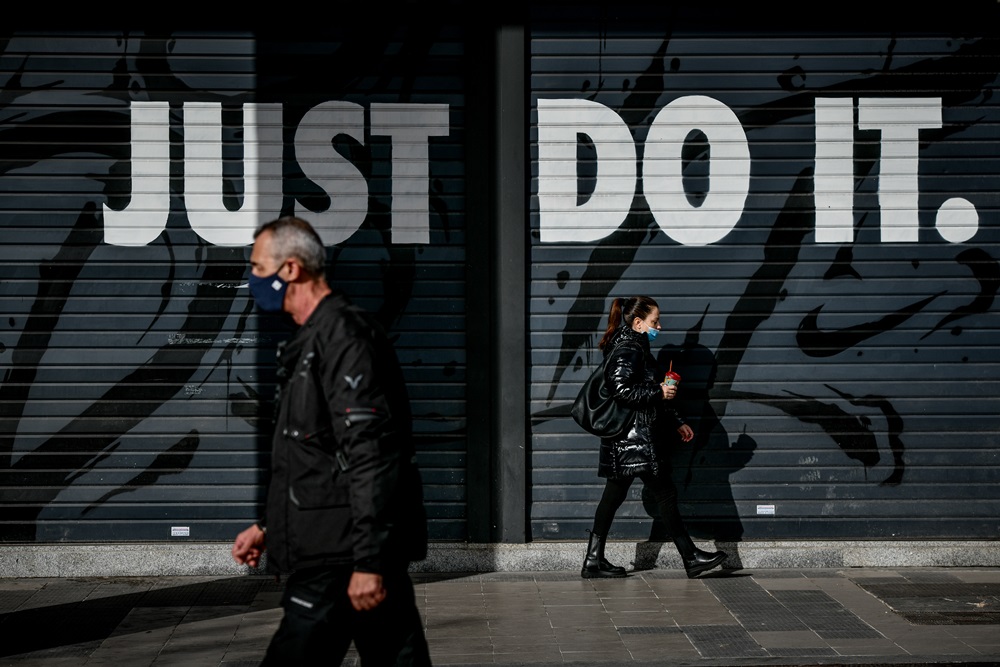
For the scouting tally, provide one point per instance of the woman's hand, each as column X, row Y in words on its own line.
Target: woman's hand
column 669, row 391
column 686, row 432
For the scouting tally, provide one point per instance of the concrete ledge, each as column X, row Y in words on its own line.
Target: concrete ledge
column 213, row 559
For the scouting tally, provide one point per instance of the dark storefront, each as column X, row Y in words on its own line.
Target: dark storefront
column 812, row 201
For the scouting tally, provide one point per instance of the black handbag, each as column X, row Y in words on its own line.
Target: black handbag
column 596, row 411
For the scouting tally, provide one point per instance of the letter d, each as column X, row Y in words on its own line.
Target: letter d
column 560, row 218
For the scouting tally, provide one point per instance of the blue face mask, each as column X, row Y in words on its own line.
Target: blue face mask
column 652, row 333
column 269, row 292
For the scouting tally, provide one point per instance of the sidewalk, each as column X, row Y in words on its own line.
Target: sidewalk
column 654, row 617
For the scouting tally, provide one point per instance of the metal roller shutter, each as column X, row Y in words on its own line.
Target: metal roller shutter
column 815, row 209
column 136, row 371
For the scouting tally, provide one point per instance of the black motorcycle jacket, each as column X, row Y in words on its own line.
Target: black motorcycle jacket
column 344, row 487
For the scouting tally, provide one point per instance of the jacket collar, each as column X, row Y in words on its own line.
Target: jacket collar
column 626, row 335
column 333, row 301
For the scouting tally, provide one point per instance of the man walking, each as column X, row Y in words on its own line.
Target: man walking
column 344, row 511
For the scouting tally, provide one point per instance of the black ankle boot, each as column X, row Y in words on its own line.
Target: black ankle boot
column 595, row 564
column 702, row 561
column 695, row 560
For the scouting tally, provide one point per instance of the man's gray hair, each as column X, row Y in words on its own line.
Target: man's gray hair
column 294, row 237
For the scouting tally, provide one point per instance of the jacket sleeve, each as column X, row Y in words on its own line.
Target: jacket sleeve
column 670, row 413
column 625, row 374
column 368, row 452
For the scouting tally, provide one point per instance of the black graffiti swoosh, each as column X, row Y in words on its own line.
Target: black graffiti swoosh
column 816, row 343
column 986, row 270
column 175, row 460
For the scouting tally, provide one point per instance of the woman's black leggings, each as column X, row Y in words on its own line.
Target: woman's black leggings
column 665, row 493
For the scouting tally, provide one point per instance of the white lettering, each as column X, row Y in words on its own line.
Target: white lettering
column 729, row 170
column 899, row 120
column 262, row 194
column 410, row 126
column 560, row 218
column 146, row 214
column 343, row 183
column 834, row 174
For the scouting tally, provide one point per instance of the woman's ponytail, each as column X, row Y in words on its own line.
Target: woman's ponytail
column 614, row 320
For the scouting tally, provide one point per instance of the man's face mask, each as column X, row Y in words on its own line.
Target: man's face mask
column 269, row 292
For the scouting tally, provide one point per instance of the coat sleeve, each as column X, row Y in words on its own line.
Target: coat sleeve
column 672, row 416
column 625, row 376
column 368, row 452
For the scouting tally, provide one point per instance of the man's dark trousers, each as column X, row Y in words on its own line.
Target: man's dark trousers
column 319, row 622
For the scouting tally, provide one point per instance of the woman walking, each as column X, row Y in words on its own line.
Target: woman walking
column 630, row 373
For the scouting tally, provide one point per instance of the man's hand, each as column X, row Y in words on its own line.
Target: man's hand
column 365, row 590
column 249, row 546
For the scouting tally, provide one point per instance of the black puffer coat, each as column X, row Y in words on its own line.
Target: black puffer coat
column 631, row 373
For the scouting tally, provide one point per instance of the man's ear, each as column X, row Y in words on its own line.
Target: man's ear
column 295, row 271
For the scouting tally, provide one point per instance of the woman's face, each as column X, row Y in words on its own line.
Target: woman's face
column 652, row 321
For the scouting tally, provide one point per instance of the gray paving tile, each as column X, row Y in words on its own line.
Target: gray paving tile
column 634, row 605
column 723, row 641
column 517, row 628
column 59, row 592
column 131, row 653
column 466, row 645
column 239, row 660
column 941, row 602
column 879, row 580
column 919, row 644
column 918, row 576
column 649, row 630
column 563, row 606
column 818, row 652
column 862, row 604
column 185, row 659
column 979, row 575
column 508, row 578
column 819, row 573
column 663, row 574
column 581, row 621
column 597, row 655
column 754, row 608
column 114, row 588
column 702, row 615
column 74, row 624
column 657, row 655
column 973, row 632
column 447, row 627
column 867, row 647
column 572, row 634
column 13, row 590
column 802, row 639
column 787, row 584
column 50, row 661
column 457, row 659
column 776, row 573
column 11, row 600
column 657, row 619
column 824, row 615
column 525, row 658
